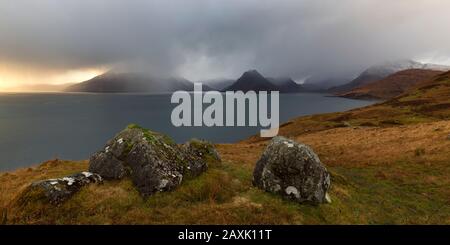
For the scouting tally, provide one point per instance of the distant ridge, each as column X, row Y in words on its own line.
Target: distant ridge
column 112, row 82
column 391, row 86
column 378, row 72
column 252, row 80
column 286, row 85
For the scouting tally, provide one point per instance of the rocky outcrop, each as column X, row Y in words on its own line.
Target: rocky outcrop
column 152, row 160
column 292, row 170
column 204, row 152
column 107, row 165
column 56, row 191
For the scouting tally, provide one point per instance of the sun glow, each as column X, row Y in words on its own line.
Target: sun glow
column 75, row 76
column 17, row 78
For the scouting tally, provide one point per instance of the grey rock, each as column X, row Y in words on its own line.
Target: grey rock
column 154, row 167
column 152, row 160
column 292, row 170
column 56, row 191
column 107, row 165
column 199, row 153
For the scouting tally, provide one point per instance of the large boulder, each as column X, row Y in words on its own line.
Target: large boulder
column 292, row 170
column 56, row 191
column 154, row 161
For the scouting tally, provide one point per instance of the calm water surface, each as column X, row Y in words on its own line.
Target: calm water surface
column 39, row 127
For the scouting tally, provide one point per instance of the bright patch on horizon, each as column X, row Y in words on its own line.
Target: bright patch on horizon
column 20, row 78
column 76, row 76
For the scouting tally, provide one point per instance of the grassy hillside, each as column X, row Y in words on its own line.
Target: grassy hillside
column 427, row 101
column 392, row 85
column 390, row 164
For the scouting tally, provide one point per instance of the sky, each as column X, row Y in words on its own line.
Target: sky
column 53, row 41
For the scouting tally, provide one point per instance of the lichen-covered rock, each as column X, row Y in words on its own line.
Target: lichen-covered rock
column 107, row 165
column 292, row 170
column 56, row 191
column 153, row 161
column 201, row 153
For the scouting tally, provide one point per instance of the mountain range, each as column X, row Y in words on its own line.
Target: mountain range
column 253, row 80
column 363, row 86
column 287, row 85
column 391, row 86
column 378, row 72
column 112, row 82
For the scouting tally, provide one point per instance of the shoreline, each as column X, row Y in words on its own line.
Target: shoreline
column 396, row 150
column 361, row 170
column 236, row 139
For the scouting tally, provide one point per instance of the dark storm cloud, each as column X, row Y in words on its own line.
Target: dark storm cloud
column 200, row 38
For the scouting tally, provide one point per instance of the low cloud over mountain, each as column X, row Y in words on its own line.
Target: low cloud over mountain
column 205, row 39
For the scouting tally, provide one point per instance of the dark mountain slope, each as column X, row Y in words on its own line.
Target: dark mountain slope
column 378, row 72
column 131, row 83
column 252, row 80
column 391, row 86
column 286, row 85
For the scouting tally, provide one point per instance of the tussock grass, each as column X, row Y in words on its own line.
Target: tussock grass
column 389, row 162
column 375, row 180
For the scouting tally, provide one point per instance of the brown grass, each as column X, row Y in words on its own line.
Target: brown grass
column 377, row 177
column 12, row 183
column 392, row 85
column 389, row 163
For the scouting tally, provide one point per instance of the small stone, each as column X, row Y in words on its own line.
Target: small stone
column 163, row 183
column 290, row 190
column 327, row 198
column 86, row 174
column 68, row 180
